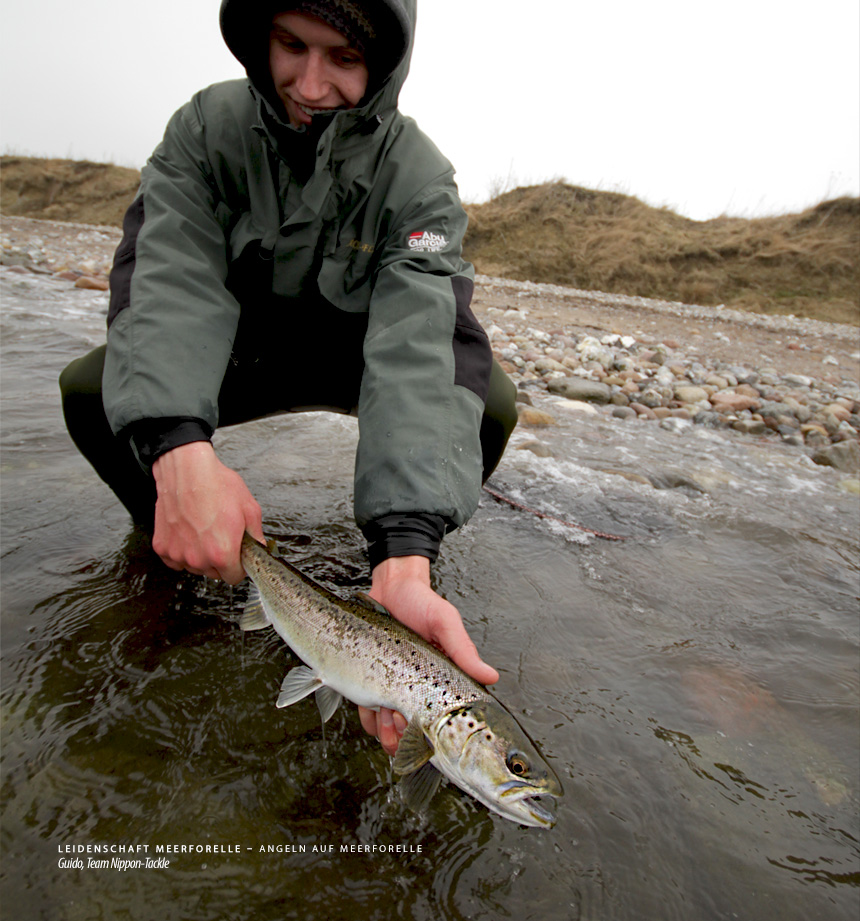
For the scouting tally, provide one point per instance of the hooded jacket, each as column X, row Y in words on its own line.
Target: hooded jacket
column 362, row 216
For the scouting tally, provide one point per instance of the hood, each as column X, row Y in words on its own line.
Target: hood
column 245, row 27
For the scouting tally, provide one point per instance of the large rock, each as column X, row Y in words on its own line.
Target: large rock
column 844, row 455
column 528, row 415
column 577, row 388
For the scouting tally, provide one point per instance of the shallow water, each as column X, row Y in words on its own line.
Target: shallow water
column 696, row 686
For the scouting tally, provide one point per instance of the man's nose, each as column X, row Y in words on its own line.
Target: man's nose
column 312, row 82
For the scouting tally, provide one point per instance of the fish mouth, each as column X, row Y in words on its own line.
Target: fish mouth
column 541, row 808
column 529, row 806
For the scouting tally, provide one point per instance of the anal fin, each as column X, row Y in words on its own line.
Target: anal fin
column 328, row 700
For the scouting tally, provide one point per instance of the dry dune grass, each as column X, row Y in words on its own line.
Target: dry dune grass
column 807, row 264
column 66, row 190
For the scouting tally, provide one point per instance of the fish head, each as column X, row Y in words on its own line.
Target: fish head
column 485, row 751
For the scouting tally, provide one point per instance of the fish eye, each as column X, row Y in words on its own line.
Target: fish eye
column 517, row 764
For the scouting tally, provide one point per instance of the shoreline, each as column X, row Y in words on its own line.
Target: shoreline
column 636, row 358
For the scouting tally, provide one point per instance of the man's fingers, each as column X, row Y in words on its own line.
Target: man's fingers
column 452, row 636
column 368, row 720
column 387, row 725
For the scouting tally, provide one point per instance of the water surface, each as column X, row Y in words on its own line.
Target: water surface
column 696, row 686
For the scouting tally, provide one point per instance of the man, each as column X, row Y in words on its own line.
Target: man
column 299, row 206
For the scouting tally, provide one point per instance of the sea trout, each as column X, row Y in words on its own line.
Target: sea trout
column 357, row 650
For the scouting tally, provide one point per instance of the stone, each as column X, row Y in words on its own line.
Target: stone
column 814, row 435
column 838, row 411
column 624, row 412
column 538, row 448
column 528, row 415
column 675, row 425
column 726, row 401
column 750, row 426
column 15, row 259
column 92, row 284
column 743, row 375
column 628, row 475
column 548, row 365
column 644, row 411
column 747, row 390
column 843, row 456
column 651, row 398
column 578, row 406
column 577, row 388
column 687, row 393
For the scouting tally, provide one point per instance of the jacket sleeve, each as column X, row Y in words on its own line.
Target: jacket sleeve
column 427, row 369
column 172, row 320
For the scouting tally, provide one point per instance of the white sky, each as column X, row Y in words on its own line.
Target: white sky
column 743, row 107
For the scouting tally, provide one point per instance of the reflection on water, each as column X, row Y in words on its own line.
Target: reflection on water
column 696, row 687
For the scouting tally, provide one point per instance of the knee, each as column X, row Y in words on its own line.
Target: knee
column 501, row 404
column 83, row 376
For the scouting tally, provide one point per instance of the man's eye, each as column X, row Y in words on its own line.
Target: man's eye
column 348, row 59
column 290, row 43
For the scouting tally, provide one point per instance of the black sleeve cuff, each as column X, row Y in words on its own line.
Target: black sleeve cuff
column 413, row 534
column 150, row 438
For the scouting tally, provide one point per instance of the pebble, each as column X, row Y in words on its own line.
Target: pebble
column 577, row 388
column 629, row 377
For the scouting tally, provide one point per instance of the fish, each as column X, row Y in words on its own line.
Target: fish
column 355, row 649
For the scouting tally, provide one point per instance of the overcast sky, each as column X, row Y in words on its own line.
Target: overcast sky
column 742, row 107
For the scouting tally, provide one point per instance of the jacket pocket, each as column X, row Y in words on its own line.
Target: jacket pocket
column 346, row 276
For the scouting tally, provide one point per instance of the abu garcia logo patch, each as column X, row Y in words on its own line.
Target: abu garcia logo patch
column 423, row 241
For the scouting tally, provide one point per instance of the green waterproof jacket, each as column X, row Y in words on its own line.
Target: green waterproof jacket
column 367, row 221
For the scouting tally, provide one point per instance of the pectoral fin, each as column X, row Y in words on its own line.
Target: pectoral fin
column 328, row 700
column 419, row 787
column 413, row 751
column 254, row 617
column 299, row 682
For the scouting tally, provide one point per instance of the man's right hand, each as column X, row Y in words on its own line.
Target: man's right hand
column 202, row 510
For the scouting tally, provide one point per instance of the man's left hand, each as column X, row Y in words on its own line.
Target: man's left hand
column 402, row 585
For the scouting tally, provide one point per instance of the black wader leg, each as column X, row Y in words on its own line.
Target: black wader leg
column 500, row 418
column 113, row 461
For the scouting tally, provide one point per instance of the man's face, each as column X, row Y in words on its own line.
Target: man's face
column 314, row 67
